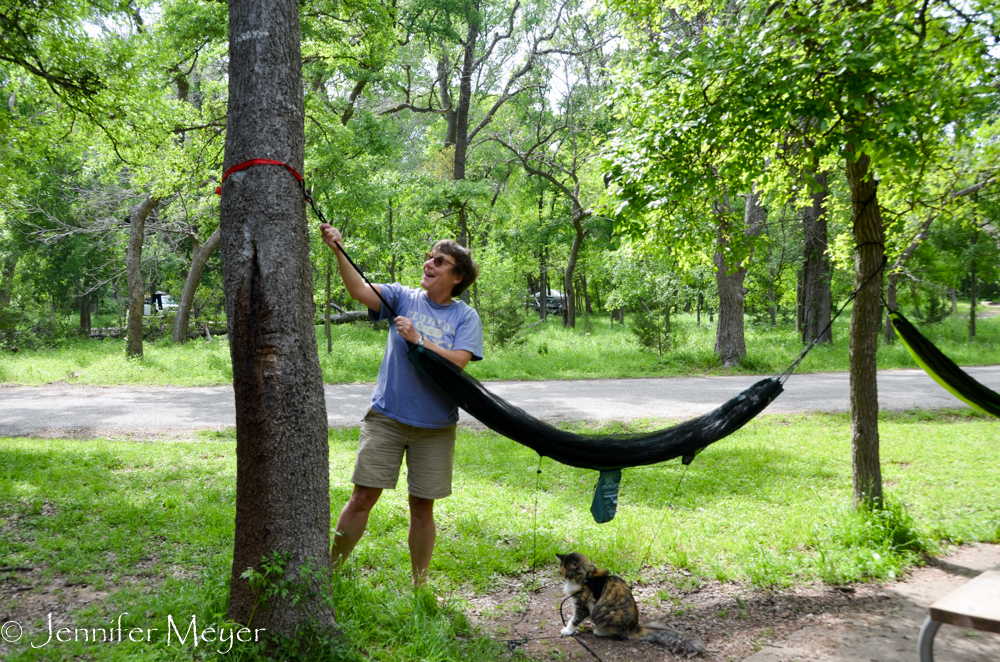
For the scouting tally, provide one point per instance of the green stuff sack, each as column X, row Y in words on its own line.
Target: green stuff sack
column 606, row 496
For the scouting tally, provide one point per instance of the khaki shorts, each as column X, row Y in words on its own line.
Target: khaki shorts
column 430, row 456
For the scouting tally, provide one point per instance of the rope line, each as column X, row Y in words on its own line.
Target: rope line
column 782, row 377
column 316, row 210
column 522, row 640
column 670, row 505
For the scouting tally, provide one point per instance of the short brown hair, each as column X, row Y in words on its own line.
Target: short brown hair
column 465, row 266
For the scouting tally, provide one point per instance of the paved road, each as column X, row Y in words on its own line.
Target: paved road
column 60, row 407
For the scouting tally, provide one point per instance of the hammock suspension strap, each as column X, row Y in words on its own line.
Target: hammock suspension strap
column 312, row 203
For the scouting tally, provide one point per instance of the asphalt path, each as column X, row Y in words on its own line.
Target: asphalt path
column 55, row 408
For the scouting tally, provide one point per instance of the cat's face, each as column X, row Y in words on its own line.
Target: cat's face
column 573, row 566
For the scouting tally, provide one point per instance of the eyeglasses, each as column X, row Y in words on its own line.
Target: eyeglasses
column 439, row 261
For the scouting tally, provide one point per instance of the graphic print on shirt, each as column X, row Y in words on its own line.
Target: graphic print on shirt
column 432, row 328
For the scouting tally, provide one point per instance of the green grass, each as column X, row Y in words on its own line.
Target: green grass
column 590, row 351
column 767, row 506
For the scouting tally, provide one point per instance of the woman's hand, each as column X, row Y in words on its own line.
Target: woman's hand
column 331, row 236
column 404, row 325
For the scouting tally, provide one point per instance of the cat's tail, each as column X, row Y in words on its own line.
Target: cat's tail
column 671, row 639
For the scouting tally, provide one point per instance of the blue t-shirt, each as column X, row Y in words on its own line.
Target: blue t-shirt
column 402, row 393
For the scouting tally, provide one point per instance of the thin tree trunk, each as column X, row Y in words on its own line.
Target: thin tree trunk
column 816, row 269
column 574, row 255
column 973, row 284
column 282, row 452
column 543, row 286
column 7, row 279
column 869, row 235
column 198, row 262
column 133, row 274
column 85, row 314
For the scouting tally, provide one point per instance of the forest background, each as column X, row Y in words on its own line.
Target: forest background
column 623, row 156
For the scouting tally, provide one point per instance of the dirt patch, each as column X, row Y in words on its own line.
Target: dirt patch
column 837, row 624
column 30, row 594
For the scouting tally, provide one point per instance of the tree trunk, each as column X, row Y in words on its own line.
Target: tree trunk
column 816, row 270
column 133, row 275
column 730, row 341
column 574, row 255
column 7, row 279
column 869, row 237
column 282, row 453
column 198, row 262
column 543, row 286
column 972, row 291
column 85, row 314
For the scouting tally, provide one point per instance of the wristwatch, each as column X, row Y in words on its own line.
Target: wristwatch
column 420, row 341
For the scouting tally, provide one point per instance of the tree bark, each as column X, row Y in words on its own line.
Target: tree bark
column 133, row 275
column 282, row 453
column 85, row 314
column 574, row 255
column 816, row 270
column 730, row 341
column 198, row 262
column 7, row 279
column 869, row 237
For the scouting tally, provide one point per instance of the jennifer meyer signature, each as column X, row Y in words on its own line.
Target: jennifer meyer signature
column 226, row 637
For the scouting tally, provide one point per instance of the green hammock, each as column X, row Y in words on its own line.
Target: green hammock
column 943, row 370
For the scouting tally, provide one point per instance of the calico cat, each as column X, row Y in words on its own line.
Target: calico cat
column 608, row 601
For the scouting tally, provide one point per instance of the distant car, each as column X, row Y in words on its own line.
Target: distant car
column 555, row 302
column 160, row 301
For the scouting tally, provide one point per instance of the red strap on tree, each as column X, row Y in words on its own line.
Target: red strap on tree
column 253, row 162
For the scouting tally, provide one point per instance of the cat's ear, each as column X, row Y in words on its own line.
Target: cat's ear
column 561, row 557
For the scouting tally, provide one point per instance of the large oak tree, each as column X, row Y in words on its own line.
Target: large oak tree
column 282, row 491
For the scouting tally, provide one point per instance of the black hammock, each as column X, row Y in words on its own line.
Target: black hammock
column 604, row 452
column 943, row 370
column 609, row 453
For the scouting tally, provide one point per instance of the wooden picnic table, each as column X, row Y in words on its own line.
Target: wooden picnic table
column 975, row 605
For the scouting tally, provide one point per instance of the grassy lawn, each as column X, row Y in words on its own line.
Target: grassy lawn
column 590, row 351
column 151, row 525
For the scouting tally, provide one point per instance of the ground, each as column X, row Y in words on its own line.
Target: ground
column 859, row 623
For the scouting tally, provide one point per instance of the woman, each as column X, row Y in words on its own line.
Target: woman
column 408, row 417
